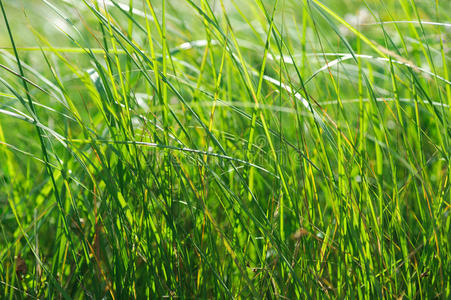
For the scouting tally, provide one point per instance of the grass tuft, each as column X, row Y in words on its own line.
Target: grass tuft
column 225, row 149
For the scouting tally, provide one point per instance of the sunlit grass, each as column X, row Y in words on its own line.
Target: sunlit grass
column 225, row 149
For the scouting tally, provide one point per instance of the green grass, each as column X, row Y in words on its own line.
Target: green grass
column 225, row 149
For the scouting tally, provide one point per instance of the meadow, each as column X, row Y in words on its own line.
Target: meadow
column 211, row 149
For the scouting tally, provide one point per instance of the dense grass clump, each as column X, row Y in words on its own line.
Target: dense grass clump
column 225, row 149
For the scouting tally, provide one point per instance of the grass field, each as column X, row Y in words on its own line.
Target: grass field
column 210, row 149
